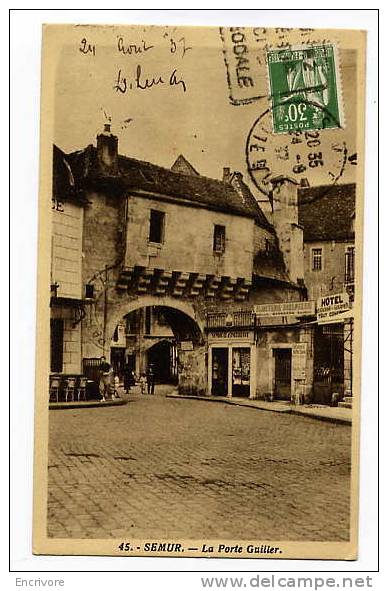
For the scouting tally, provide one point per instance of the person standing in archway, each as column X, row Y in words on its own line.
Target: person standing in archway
column 151, row 379
column 128, row 378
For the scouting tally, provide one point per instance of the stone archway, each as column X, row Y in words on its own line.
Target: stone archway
column 188, row 329
column 130, row 305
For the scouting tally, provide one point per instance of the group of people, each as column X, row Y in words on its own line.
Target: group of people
column 109, row 381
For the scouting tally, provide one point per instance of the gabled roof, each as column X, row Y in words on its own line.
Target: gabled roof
column 194, row 188
column 327, row 212
column 183, row 166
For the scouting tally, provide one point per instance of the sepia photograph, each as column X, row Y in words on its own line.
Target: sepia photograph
column 199, row 292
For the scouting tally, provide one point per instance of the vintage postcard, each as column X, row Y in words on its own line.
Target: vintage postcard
column 199, row 304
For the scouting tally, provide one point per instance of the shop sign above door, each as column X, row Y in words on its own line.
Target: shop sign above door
column 285, row 309
column 223, row 335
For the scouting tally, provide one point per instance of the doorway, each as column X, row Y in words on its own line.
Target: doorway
column 220, row 371
column 117, row 359
column 328, row 362
column 282, row 386
column 162, row 356
column 241, row 373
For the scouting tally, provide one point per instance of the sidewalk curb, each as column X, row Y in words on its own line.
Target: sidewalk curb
column 319, row 417
column 87, row 404
column 285, row 410
column 225, row 400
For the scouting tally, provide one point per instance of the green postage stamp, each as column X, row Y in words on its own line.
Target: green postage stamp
column 304, row 87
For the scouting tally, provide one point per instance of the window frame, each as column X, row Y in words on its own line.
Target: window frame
column 162, row 217
column 312, row 258
column 222, row 248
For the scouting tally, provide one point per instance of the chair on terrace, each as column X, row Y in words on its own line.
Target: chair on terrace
column 55, row 383
column 81, row 390
column 70, row 388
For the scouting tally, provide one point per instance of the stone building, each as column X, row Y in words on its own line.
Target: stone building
column 221, row 281
column 327, row 215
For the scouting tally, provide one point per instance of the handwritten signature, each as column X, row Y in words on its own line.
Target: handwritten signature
column 142, row 82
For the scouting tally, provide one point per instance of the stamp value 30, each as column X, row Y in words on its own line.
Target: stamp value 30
column 304, row 89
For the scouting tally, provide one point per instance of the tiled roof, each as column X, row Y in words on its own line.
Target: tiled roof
column 326, row 212
column 194, row 188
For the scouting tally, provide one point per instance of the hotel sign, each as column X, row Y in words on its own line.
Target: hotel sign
column 285, row 309
column 332, row 307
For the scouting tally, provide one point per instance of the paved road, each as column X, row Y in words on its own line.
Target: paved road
column 160, row 467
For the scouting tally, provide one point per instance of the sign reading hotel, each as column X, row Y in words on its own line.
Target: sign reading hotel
column 332, row 306
column 285, row 309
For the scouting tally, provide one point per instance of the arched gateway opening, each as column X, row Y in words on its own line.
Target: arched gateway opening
column 162, row 356
column 168, row 338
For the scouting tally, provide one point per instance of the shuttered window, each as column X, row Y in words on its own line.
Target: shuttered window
column 219, row 239
column 56, row 342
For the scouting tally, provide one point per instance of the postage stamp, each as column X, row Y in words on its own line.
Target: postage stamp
column 304, row 89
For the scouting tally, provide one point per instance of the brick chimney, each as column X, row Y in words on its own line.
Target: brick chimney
column 226, row 174
column 286, row 223
column 107, row 151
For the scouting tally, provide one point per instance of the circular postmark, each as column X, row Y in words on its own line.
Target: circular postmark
column 310, row 157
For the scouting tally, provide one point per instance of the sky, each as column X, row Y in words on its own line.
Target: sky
column 187, row 109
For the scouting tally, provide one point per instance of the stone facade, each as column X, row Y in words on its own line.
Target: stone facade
column 123, row 270
column 331, row 277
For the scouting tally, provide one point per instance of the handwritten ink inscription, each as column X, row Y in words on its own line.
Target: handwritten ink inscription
column 139, row 77
column 87, row 48
column 132, row 48
column 142, row 82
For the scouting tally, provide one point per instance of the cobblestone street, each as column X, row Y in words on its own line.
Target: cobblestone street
column 166, row 468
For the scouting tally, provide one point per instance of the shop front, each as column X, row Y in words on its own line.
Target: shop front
column 284, row 351
column 231, row 363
